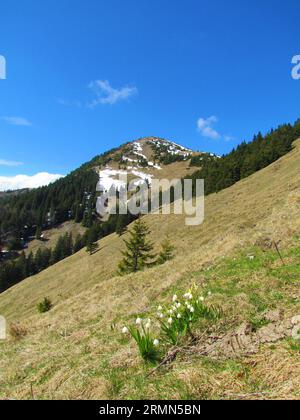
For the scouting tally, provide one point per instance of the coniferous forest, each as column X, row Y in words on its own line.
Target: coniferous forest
column 246, row 159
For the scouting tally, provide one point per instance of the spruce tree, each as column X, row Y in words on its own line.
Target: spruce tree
column 91, row 246
column 166, row 253
column 122, row 222
column 138, row 253
column 30, row 265
column 22, row 265
column 38, row 233
column 78, row 244
column 38, row 261
column 68, row 245
column 91, row 242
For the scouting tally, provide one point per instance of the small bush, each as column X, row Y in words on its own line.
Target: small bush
column 44, row 306
column 17, row 331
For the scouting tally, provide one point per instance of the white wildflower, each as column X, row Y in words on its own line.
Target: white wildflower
column 138, row 321
column 179, row 316
column 125, row 330
column 201, row 299
column 170, row 321
column 156, row 343
column 192, row 309
column 175, row 297
column 160, row 308
column 178, row 305
column 148, row 326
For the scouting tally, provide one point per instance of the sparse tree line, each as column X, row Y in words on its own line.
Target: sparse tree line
column 162, row 155
column 12, row 272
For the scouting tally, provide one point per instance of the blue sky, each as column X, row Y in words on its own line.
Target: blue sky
column 85, row 76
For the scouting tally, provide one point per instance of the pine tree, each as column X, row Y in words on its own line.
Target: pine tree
column 38, row 261
column 166, row 253
column 122, row 222
column 68, row 248
column 91, row 246
column 22, row 265
column 30, row 265
column 46, row 258
column 138, row 253
column 38, row 233
column 78, row 244
column 58, row 251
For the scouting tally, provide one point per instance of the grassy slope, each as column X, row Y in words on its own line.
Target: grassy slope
column 51, row 236
column 74, row 351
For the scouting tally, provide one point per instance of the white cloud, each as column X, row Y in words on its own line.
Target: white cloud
column 25, row 181
column 20, row 121
column 106, row 94
column 4, row 162
column 205, row 127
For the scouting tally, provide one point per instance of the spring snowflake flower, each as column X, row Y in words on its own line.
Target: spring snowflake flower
column 138, row 321
column 160, row 308
column 156, row 343
column 175, row 297
column 191, row 309
column 170, row 321
column 148, row 326
column 179, row 316
column 178, row 305
column 209, row 293
column 201, row 299
column 125, row 330
column 170, row 312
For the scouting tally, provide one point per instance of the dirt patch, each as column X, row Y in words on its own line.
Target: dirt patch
column 244, row 341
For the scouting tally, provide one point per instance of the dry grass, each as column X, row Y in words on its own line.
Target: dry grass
column 76, row 351
column 51, row 236
column 17, row 331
